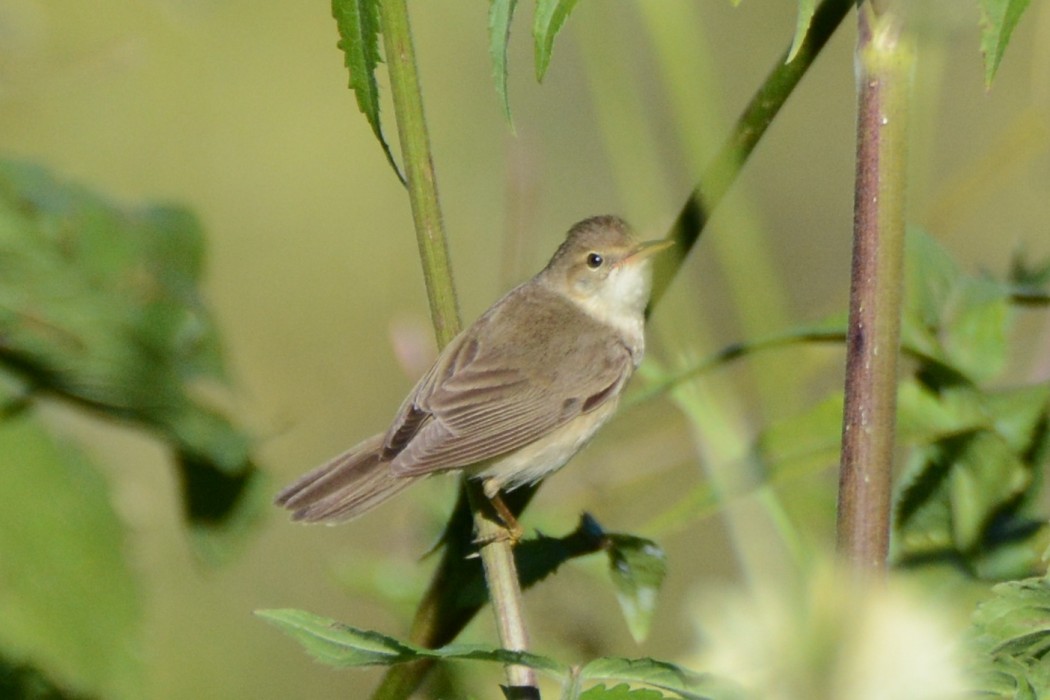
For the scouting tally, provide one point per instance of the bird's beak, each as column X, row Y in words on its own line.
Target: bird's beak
column 645, row 249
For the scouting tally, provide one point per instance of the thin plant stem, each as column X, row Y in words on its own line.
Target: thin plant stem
column 497, row 556
column 873, row 337
column 419, row 169
column 440, row 617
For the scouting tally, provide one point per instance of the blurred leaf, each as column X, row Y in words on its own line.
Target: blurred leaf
column 925, row 414
column 68, row 600
column 1026, row 274
column 969, row 491
column 550, row 16
column 22, row 682
column 621, row 692
column 1011, row 633
column 804, row 442
column 637, row 567
column 806, row 8
column 501, row 12
column 658, row 674
column 975, row 339
column 998, row 20
column 986, row 475
column 358, row 24
column 99, row 304
column 960, row 321
column 337, row 644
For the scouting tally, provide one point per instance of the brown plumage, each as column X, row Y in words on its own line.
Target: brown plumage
column 516, row 394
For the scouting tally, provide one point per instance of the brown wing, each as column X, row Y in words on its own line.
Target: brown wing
column 493, row 391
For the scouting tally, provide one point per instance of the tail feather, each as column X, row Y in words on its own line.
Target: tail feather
column 344, row 487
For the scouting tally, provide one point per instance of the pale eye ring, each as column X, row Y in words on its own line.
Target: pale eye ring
column 594, row 261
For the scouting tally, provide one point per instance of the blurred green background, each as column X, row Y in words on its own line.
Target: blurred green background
column 240, row 111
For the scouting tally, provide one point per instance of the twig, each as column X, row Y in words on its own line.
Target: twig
column 873, row 336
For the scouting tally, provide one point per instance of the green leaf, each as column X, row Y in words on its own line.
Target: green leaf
column 21, row 681
column 358, row 25
column 926, row 415
column 986, row 475
column 658, row 674
column 550, row 16
column 971, row 490
column 337, row 644
column 804, row 442
column 637, row 567
column 806, row 8
column 99, row 305
column 501, row 12
column 998, row 20
column 1011, row 637
column 621, row 692
column 957, row 320
column 68, row 599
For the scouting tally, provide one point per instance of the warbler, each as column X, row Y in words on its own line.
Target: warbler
column 513, row 397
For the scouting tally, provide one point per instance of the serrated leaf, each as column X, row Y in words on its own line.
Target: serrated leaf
column 621, row 692
column 658, row 674
column 69, row 602
column 550, row 17
column 501, row 12
column 359, row 31
column 803, row 19
column 637, row 567
column 1011, row 637
column 336, row 644
column 999, row 18
column 100, row 305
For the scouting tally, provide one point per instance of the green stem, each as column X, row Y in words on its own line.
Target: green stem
column 419, row 169
column 873, row 338
column 497, row 556
column 749, row 129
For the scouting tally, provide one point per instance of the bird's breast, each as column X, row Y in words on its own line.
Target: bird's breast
column 530, row 463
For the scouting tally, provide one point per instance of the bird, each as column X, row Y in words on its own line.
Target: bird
column 515, row 395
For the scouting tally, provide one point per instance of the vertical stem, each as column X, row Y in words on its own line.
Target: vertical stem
column 884, row 63
column 501, row 573
column 501, row 579
column 419, row 169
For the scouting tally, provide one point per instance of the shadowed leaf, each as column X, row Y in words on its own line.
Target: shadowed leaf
column 637, row 567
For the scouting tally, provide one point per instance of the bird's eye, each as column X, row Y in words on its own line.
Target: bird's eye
column 594, row 261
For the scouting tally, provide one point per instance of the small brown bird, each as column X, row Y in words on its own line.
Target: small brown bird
column 517, row 394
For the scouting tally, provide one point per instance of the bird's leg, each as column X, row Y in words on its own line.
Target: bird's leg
column 513, row 529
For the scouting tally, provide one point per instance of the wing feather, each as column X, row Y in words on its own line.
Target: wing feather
column 490, row 393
